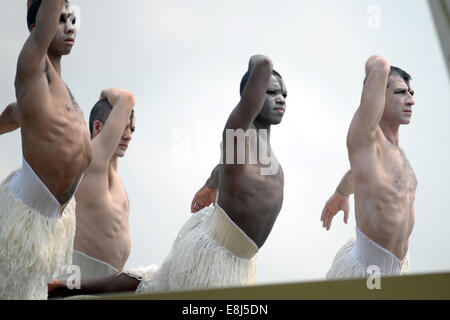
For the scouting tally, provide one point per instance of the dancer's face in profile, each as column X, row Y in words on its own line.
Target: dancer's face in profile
column 275, row 103
column 399, row 101
column 65, row 34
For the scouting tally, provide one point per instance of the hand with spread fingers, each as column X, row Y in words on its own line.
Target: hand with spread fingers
column 335, row 204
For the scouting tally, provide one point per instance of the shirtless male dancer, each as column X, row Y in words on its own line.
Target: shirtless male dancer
column 217, row 246
column 37, row 207
column 380, row 177
column 102, row 237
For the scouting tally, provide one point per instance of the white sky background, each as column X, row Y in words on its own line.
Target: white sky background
column 183, row 60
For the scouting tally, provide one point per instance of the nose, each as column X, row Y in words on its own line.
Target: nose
column 127, row 135
column 280, row 100
column 70, row 27
column 410, row 100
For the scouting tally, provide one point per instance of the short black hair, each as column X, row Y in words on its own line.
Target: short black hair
column 397, row 71
column 33, row 10
column 247, row 75
column 402, row 73
column 100, row 111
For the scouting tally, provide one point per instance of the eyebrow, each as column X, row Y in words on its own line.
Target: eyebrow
column 67, row 15
column 280, row 90
column 404, row 89
column 283, row 90
column 281, row 84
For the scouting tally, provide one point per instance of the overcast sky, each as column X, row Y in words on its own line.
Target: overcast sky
column 183, row 60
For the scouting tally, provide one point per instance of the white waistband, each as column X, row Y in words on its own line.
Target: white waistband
column 27, row 186
column 369, row 253
column 77, row 255
column 227, row 234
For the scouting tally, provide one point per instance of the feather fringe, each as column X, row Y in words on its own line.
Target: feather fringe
column 196, row 262
column 33, row 248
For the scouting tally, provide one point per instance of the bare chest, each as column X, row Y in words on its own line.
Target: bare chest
column 117, row 196
column 246, row 184
column 399, row 170
column 63, row 100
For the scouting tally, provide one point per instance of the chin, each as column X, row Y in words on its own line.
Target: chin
column 66, row 52
column 276, row 121
column 405, row 121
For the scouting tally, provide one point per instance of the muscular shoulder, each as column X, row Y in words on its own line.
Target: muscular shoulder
column 365, row 145
column 35, row 97
column 368, row 157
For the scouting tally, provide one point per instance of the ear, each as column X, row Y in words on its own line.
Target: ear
column 33, row 25
column 97, row 127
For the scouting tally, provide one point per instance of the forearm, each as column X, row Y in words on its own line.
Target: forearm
column 119, row 98
column 260, row 70
column 47, row 20
column 111, row 284
column 115, row 283
column 213, row 180
column 49, row 13
column 374, row 91
column 347, row 185
column 118, row 124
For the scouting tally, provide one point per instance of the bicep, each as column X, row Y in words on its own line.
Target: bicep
column 31, row 63
column 239, row 119
column 359, row 134
column 365, row 131
column 236, row 129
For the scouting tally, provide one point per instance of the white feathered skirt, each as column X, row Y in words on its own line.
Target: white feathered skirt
column 210, row 251
column 360, row 253
column 36, row 240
